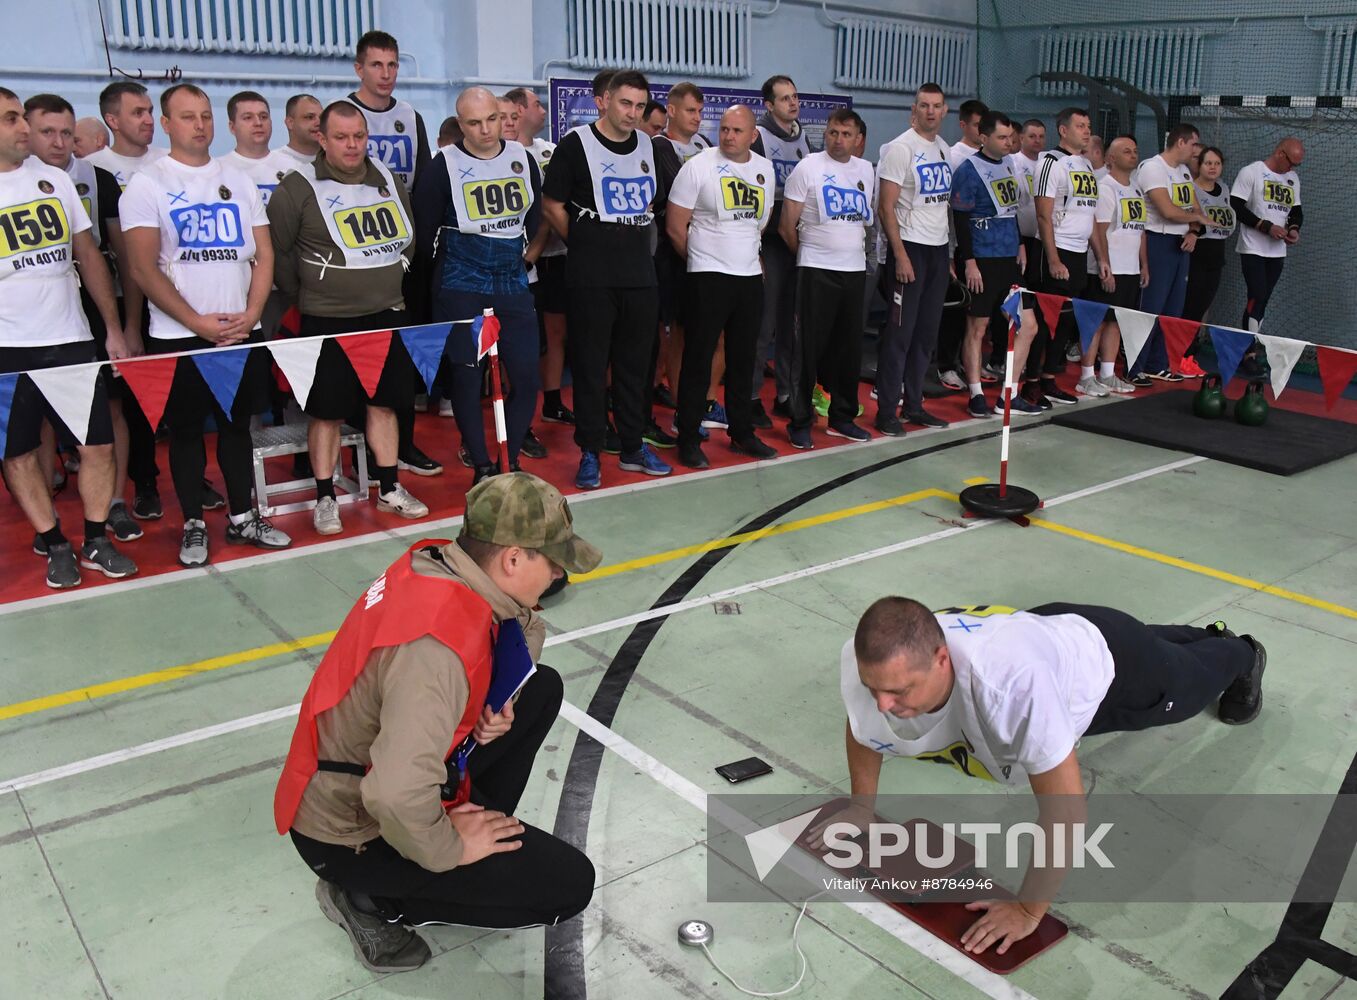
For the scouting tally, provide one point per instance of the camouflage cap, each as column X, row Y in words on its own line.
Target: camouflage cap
column 520, row 509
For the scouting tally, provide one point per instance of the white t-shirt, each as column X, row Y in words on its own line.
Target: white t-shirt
column 294, row 158
column 1122, row 207
column 266, row 171
column 1027, row 687
column 206, row 216
column 124, row 168
column 1270, row 196
column 40, row 213
column 837, row 209
column 923, row 169
column 960, row 153
column 1177, row 181
column 1025, row 171
column 1068, row 179
column 731, row 203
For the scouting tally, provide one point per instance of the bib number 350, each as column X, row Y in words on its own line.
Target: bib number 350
column 628, row 195
column 216, row 225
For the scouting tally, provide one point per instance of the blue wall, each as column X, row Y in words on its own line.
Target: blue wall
column 444, row 46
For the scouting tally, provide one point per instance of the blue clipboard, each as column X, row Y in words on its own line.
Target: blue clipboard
column 511, row 666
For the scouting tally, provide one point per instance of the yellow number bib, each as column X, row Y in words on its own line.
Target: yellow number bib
column 369, row 225
column 1277, row 193
column 737, row 196
column 977, row 610
column 495, row 198
column 959, row 756
column 1221, row 216
column 1181, row 194
column 35, row 225
column 1132, row 211
column 1005, row 191
column 1083, row 184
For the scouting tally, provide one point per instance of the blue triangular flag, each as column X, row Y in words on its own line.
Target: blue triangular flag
column 1089, row 316
column 1013, row 308
column 7, row 383
column 222, row 371
column 425, row 346
column 1230, row 346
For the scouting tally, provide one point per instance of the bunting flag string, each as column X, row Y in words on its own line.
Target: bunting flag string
column 297, row 357
column 150, row 378
column 1336, row 368
column 1230, row 346
column 1050, row 306
column 1178, row 337
column 486, row 331
column 7, row 384
column 1135, row 331
column 367, row 355
column 222, row 372
column 69, row 390
column 425, row 346
column 1089, row 317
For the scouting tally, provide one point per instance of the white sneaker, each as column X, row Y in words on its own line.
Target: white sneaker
column 1091, row 387
column 193, row 548
column 1114, row 384
column 325, row 517
column 399, row 501
column 1074, row 352
column 951, row 379
column 445, row 407
column 257, row 531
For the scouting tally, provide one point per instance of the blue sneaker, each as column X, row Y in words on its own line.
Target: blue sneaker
column 715, row 415
column 800, row 438
column 702, row 431
column 850, row 430
column 643, row 460
column 1021, row 405
column 588, row 477
column 977, row 407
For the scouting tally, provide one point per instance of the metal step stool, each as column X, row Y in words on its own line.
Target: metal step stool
column 290, row 439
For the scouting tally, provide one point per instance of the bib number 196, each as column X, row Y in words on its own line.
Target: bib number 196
column 493, row 199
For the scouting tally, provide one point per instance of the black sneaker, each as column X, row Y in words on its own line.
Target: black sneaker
column 464, row 457
column 800, row 438
column 653, row 435
column 531, row 447
column 557, row 414
column 417, row 462
column 1166, row 375
column 758, row 416
column 484, row 472
column 782, row 408
column 100, row 554
column 692, row 456
column 891, row 427
column 925, row 418
column 557, row 585
column 63, row 572
column 1056, row 394
column 121, row 525
column 379, row 945
column 212, row 500
column 753, row 447
column 664, row 397
column 612, row 442
column 1141, row 381
column 1243, row 699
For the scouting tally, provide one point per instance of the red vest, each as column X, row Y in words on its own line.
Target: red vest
column 400, row 607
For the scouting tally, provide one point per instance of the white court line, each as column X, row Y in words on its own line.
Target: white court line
column 262, row 718
column 428, row 528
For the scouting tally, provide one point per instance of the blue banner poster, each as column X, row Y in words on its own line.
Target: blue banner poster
column 572, row 104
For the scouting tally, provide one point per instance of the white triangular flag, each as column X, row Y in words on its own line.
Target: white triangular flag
column 70, row 391
column 1135, row 331
column 297, row 358
column 1282, row 355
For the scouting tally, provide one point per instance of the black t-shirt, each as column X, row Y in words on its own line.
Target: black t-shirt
column 602, row 254
column 106, row 186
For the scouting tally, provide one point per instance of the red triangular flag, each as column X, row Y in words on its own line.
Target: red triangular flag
column 150, row 379
column 367, row 353
column 1178, row 337
column 1336, row 368
column 1050, row 305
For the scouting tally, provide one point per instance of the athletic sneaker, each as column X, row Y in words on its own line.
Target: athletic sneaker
column 531, row 447
column 63, row 572
column 1056, row 394
column 557, row 414
column 849, row 431
column 1166, row 376
column 445, row 408
column 588, row 476
column 121, row 524
column 753, row 447
column 1189, row 368
column 1023, row 407
column 259, row 532
column 995, row 372
column 1142, row 381
column 481, row 473
column 692, row 456
column 612, row 441
column 977, row 407
column 819, row 401
column 800, row 438
column 378, row 945
column 1073, row 352
column 664, row 397
column 715, row 415
column 212, row 500
column 702, row 432
column 891, row 427
column 924, row 419
column 782, row 408
column 325, row 517
column 193, row 546
column 1243, row 699
column 100, row 554
column 758, row 416
column 644, row 460
column 653, row 435
column 1091, row 387
column 1116, row 385
column 557, row 585
column 464, row 457
column 417, row 462
column 399, row 501
column 951, row 379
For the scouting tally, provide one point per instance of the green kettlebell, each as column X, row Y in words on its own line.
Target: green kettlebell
column 1209, row 403
column 1251, row 410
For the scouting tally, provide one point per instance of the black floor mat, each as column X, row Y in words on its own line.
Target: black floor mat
column 1288, row 443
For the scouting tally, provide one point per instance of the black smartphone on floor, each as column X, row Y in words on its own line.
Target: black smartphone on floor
column 743, row 770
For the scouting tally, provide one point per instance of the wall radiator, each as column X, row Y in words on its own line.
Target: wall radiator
column 291, row 27
column 701, row 37
column 1158, row 61
column 1340, row 60
column 874, row 53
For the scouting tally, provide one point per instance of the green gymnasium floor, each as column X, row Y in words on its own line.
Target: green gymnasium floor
column 138, row 859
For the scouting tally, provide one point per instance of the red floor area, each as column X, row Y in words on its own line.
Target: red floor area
column 157, row 550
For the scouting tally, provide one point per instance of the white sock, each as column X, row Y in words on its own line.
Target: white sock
column 241, row 518
column 1106, row 368
column 975, row 388
column 1085, row 371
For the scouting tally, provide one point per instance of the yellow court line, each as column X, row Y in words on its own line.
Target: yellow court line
column 977, row 480
column 1192, row 567
column 154, row 677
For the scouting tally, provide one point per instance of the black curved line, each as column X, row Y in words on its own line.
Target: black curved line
column 564, row 958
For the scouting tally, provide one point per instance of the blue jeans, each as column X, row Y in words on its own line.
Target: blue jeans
column 1163, row 296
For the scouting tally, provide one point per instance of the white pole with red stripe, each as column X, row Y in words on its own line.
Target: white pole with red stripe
column 1008, row 403
column 497, row 395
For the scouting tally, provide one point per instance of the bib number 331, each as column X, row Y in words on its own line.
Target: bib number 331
column 628, row 195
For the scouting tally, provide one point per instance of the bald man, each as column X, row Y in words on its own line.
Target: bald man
column 719, row 204
column 90, row 136
column 1266, row 200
